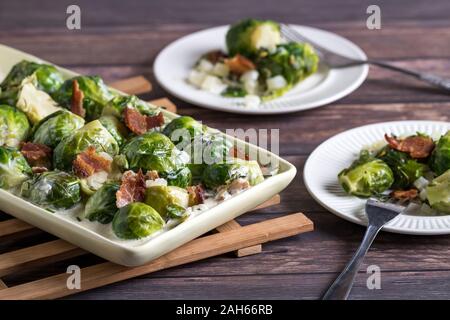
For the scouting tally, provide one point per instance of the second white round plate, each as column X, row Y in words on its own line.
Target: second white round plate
column 333, row 155
column 174, row 62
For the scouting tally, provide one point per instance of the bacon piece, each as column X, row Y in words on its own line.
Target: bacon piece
column 234, row 152
column 39, row 169
column 89, row 161
column 239, row 64
column 215, row 56
column 139, row 123
column 417, row 147
column 37, row 154
column 76, row 105
column 196, row 194
column 152, row 175
column 132, row 188
column 405, row 194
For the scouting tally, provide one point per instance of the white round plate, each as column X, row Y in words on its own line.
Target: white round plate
column 174, row 62
column 333, row 155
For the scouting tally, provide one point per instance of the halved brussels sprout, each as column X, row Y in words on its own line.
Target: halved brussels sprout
column 52, row 129
column 91, row 134
column 151, row 151
column 170, row 202
column 440, row 158
column 249, row 35
column 181, row 177
column 45, row 77
column 366, row 176
column 14, row 168
column 220, row 174
column 136, row 220
column 117, row 105
column 101, row 206
column 293, row 61
column 438, row 192
column 405, row 169
column 14, row 126
column 116, row 128
column 96, row 95
column 52, row 190
column 182, row 130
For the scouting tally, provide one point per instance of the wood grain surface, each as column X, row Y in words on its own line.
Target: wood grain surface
column 120, row 39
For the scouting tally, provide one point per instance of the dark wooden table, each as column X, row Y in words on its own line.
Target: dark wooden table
column 121, row 38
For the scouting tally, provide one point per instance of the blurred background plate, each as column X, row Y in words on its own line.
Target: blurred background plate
column 174, row 62
column 333, row 155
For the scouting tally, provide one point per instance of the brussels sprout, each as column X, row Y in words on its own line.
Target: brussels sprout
column 405, row 169
column 136, row 220
column 116, row 128
column 14, row 168
column 180, row 178
column 438, row 192
column 116, row 106
column 96, row 95
column 45, row 77
column 249, row 35
column 14, row 126
column 53, row 190
column 234, row 92
column 53, row 128
column 101, row 206
column 170, row 202
column 366, row 176
column 91, row 134
column 150, row 151
column 220, row 174
column 440, row 158
column 182, row 130
column 293, row 61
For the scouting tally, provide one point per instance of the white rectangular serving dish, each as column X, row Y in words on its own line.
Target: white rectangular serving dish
column 119, row 252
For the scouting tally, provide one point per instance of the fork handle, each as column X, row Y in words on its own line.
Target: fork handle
column 426, row 77
column 341, row 287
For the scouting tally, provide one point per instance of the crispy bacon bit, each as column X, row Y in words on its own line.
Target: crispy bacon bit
column 39, row 169
column 132, row 188
column 418, row 147
column 238, row 185
column 37, row 154
column 196, row 194
column 239, row 64
column 152, row 175
column 405, row 194
column 235, row 153
column 215, row 56
column 89, row 161
column 77, row 100
column 139, row 123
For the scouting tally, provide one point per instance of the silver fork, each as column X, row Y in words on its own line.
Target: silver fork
column 335, row 60
column 379, row 213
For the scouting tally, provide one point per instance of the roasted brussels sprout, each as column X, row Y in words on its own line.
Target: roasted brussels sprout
column 96, row 95
column 440, row 158
column 405, row 169
column 366, row 176
column 170, row 202
column 53, row 128
column 181, row 177
column 136, row 220
column 53, row 190
column 14, row 168
column 14, row 126
column 152, row 151
column 116, row 106
column 220, row 174
column 116, row 128
column 45, row 78
column 182, row 130
column 91, row 134
column 101, row 206
column 249, row 35
column 438, row 193
column 286, row 66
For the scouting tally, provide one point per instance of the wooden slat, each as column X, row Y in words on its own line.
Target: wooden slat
column 165, row 103
column 201, row 248
column 2, row 285
column 134, row 85
column 13, row 226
